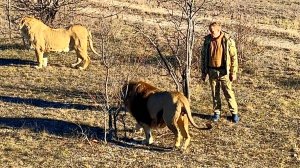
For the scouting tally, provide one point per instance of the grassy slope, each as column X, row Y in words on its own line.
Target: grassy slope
column 48, row 117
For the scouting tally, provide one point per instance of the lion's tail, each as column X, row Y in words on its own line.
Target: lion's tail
column 91, row 43
column 187, row 110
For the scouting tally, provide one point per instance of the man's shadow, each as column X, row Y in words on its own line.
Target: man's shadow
column 202, row 116
column 209, row 117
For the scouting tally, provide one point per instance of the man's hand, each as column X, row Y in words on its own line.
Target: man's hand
column 203, row 77
column 232, row 77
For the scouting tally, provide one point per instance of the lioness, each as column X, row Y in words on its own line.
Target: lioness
column 154, row 108
column 43, row 39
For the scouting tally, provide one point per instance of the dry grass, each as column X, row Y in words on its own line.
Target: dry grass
column 48, row 117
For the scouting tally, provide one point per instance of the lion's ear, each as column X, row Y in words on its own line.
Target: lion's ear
column 27, row 27
column 125, row 91
column 138, row 88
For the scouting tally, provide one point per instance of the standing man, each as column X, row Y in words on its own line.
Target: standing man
column 219, row 61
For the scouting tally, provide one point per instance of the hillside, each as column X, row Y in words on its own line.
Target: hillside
column 55, row 117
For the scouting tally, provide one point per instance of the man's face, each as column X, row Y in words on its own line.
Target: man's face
column 215, row 31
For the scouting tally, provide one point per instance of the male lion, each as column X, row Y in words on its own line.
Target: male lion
column 43, row 39
column 154, row 108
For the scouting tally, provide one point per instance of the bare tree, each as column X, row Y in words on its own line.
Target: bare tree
column 182, row 17
column 111, row 50
column 107, row 59
column 46, row 10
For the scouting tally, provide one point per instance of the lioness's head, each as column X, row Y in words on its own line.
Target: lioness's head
column 23, row 23
column 28, row 22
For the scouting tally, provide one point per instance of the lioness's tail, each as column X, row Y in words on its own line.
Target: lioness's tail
column 186, row 109
column 91, row 43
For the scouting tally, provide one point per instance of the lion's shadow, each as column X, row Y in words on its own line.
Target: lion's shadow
column 53, row 126
column 137, row 144
column 72, row 130
column 46, row 104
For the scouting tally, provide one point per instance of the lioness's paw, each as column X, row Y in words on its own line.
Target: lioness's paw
column 38, row 67
column 74, row 65
column 184, row 150
column 175, row 148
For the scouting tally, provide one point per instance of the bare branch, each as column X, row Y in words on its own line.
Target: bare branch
column 165, row 61
column 199, row 8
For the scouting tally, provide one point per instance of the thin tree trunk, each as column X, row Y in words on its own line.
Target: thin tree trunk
column 8, row 18
column 106, row 92
column 189, row 49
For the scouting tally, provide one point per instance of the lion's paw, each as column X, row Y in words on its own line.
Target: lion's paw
column 147, row 142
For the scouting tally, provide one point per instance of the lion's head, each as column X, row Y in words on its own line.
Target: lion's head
column 136, row 90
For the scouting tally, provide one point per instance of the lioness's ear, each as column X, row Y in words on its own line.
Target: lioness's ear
column 21, row 23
